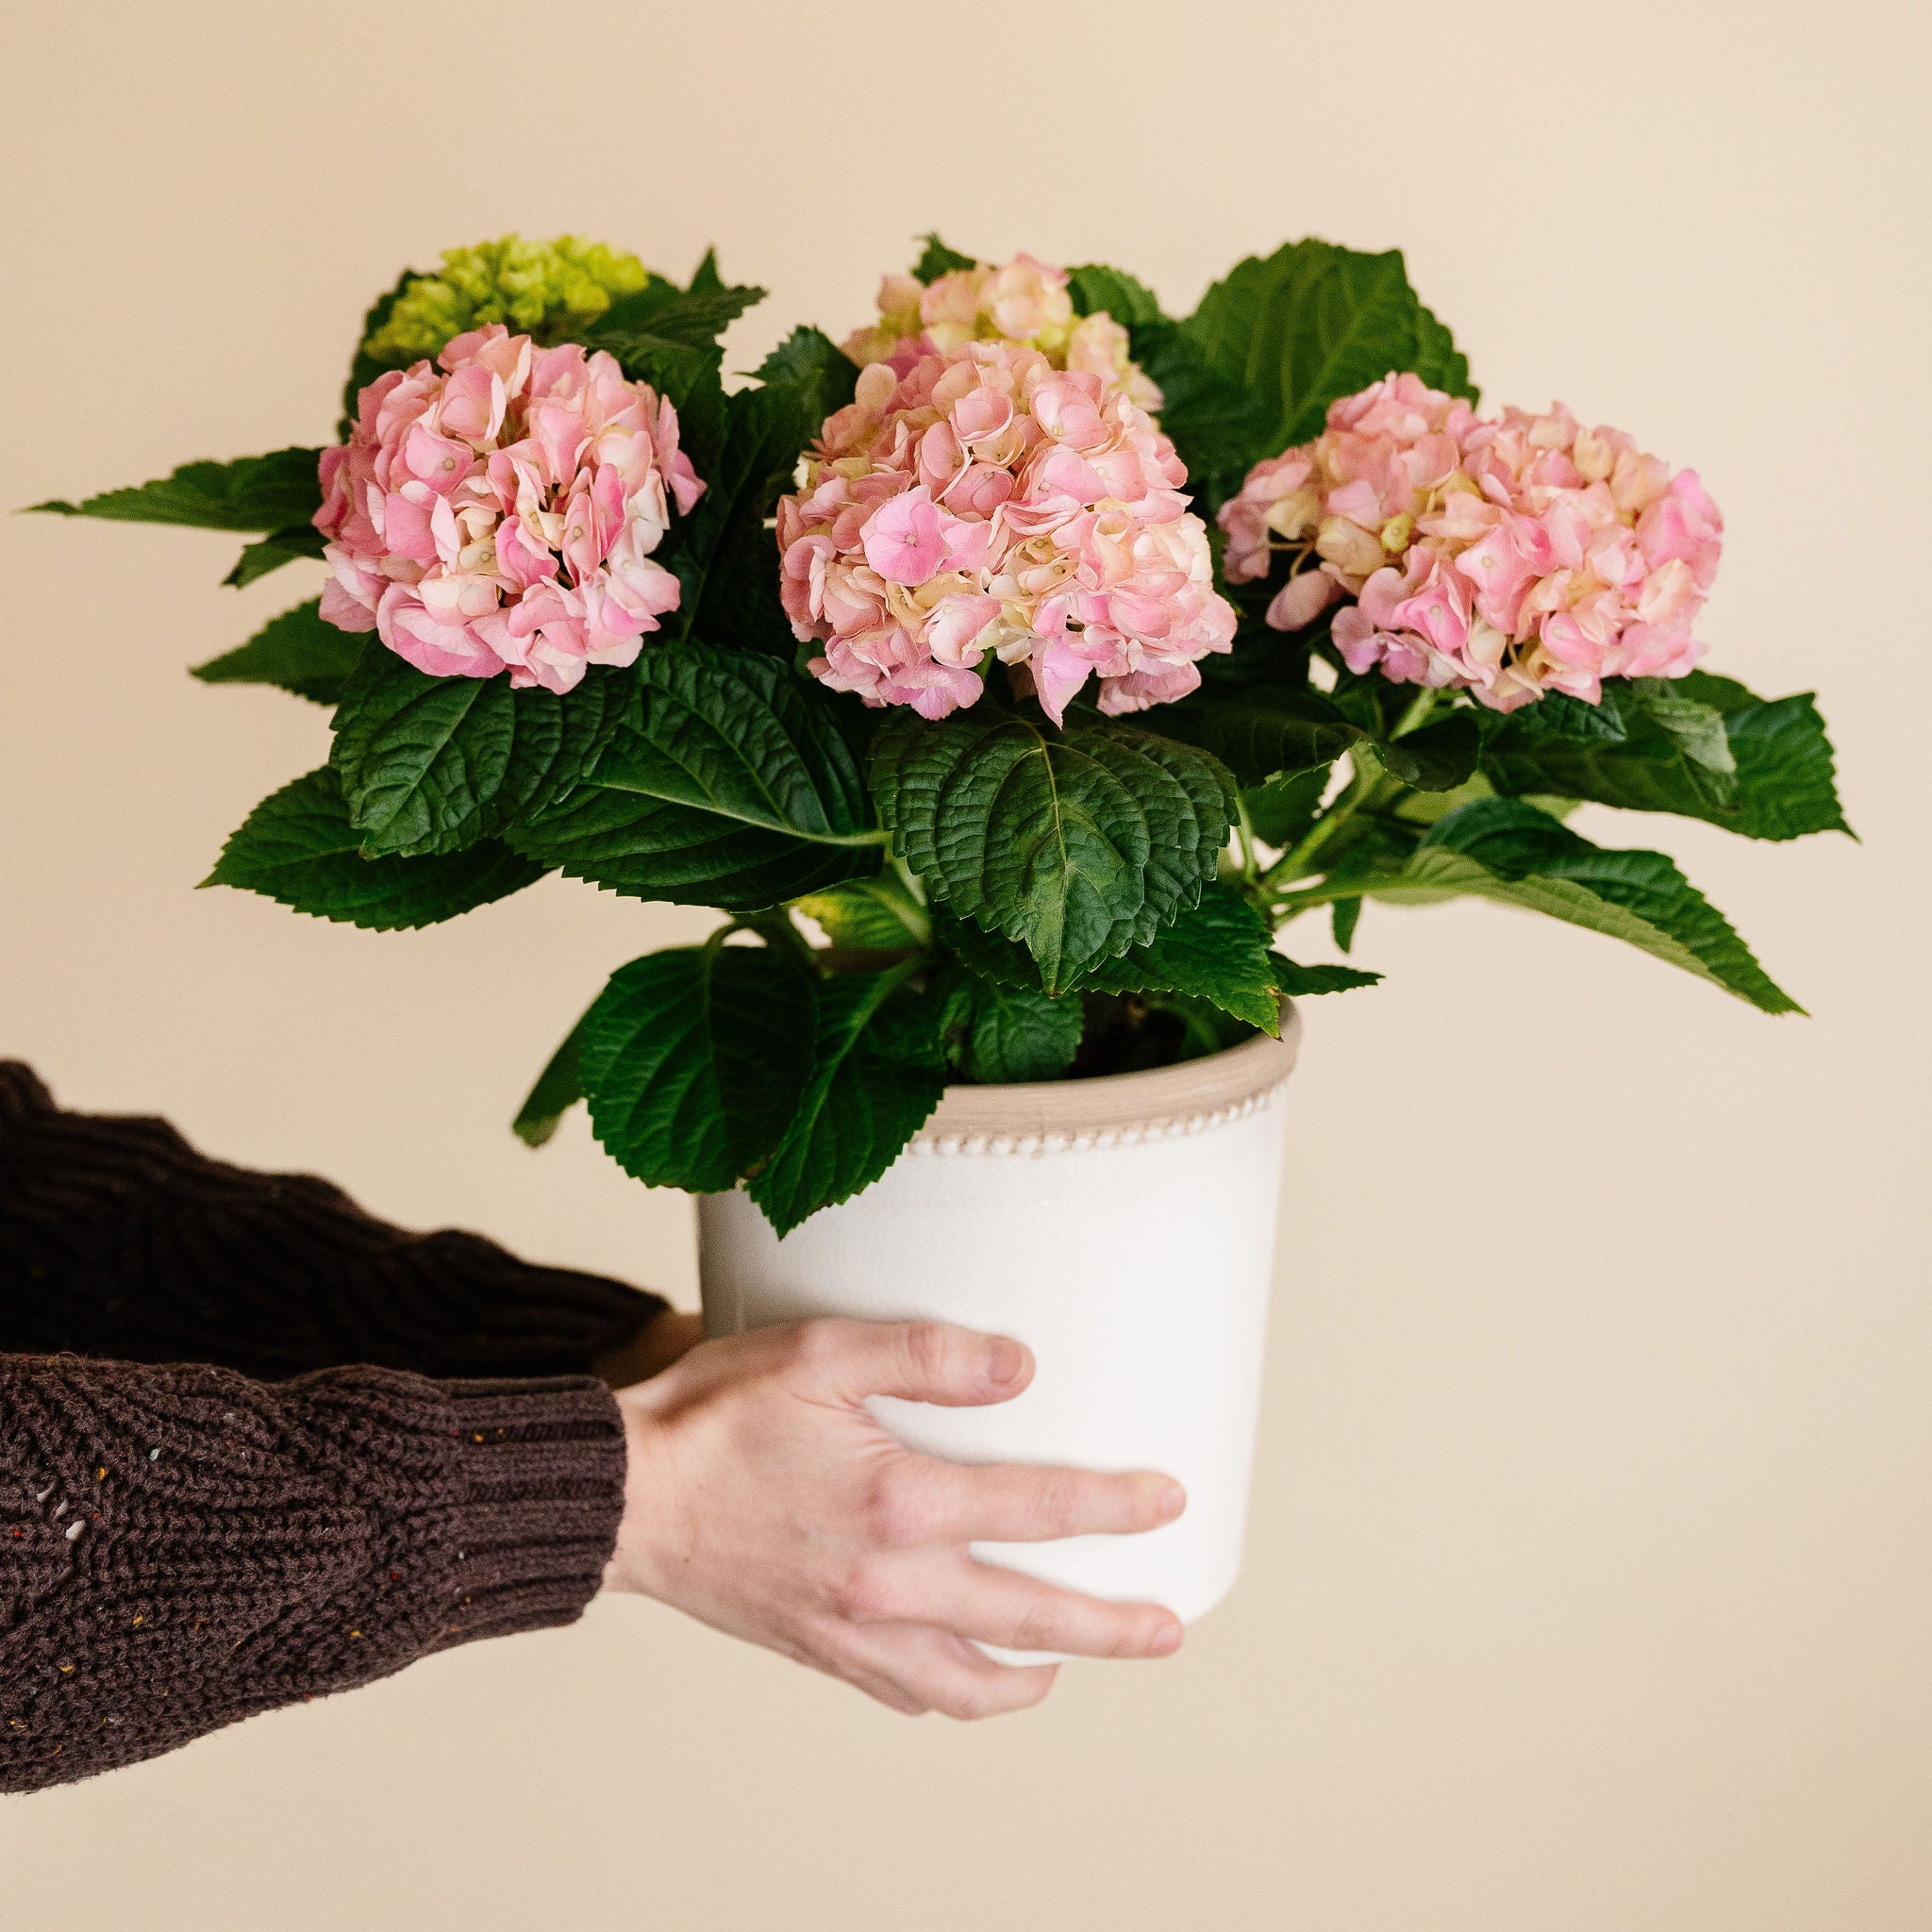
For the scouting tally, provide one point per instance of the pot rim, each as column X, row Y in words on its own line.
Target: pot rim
column 1175, row 1099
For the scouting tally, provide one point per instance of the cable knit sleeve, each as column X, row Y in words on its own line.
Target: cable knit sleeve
column 118, row 1240
column 181, row 1547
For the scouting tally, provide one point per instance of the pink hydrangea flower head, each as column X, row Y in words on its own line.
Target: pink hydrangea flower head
column 497, row 510
column 1024, row 302
column 982, row 501
column 1508, row 556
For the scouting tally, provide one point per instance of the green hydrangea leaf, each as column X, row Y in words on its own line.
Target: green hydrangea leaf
column 272, row 493
column 1646, row 746
column 1076, row 844
column 1438, row 361
column 297, row 651
column 558, row 1089
column 1218, row 950
column 997, row 1034
column 809, row 361
column 875, row 915
column 1304, row 982
column 298, row 848
column 726, row 783
column 1263, row 733
column 1507, row 850
column 937, row 259
column 693, row 1061
column 1257, row 365
column 1786, row 781
column 1282, row 811
column 1439, row 756
column 1343, row 916
column 692, row 318
column 432, row 764
column 1094, row 288
column 724, row 553
column 269, row 553
column 877, row 1072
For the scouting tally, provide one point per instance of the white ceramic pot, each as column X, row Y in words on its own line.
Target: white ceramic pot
column 1123, row 1228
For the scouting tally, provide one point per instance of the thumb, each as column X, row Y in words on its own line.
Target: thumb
column 921, row 1362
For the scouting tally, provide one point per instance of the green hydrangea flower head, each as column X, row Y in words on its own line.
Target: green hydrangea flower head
column 548, row 290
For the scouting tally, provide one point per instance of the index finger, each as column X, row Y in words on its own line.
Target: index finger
column 932, row 1501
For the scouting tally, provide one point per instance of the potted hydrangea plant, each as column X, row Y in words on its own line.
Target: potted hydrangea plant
column 1005, row 678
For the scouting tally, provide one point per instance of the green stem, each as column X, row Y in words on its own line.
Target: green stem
column 777, row 931
column 899, row 883
column 1294, row 904
column 1300, row 861
column 877, row 836
column 1251, row 867
column 1418, row 712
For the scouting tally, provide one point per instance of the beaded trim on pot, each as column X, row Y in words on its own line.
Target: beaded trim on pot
column 1129, row 1134
column 1118, row 1109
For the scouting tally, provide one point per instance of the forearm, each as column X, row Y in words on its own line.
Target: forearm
column 118, row 1240
column 181, row 1547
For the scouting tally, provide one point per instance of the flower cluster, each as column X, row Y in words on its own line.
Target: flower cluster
column 1025, row 302
column 986, row 504
column 542, row 289
column 1508, row 556
column 503, row 512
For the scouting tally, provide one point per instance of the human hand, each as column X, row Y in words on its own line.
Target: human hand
column 763, row 1498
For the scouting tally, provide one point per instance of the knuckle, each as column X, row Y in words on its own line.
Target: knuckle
column 865, row 1592
column 1057, row 1499
column 929, row 1347
column 815, row 1345
column 898, row 1511
column 1038, row 1625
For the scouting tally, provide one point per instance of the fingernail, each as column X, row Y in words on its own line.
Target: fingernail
column 1167, row 1640
column 1173, row 1499
column 1006, row 1361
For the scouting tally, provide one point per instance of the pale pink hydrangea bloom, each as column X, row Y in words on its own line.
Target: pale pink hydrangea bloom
column 502, row 512
column 981, row 504
column 1508, row 555
column 1025, row 302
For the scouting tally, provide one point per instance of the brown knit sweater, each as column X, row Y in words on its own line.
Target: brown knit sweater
column 256, row 1446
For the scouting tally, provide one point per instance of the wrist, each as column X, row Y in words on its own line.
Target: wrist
column 634, row 1566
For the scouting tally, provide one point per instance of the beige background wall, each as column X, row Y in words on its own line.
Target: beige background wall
column 1592, row 1570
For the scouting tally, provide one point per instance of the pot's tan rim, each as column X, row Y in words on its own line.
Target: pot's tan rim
column 1172, row 1098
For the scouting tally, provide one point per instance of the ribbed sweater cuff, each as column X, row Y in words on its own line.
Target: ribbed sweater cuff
column 535, row 1503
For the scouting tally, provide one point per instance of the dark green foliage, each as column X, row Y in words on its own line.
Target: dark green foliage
column 1508, row 849
column 296, row 651
column 432, row 764
column 878, row 1072
column 1256, row 366
column 270, row 493
column 1699, row 746
column 1076, row 844
column 694, row 1059
column 1131, row 303
column 938, row 260
column 997, row 1034
column 1218, row 950
column 558, row 1089
column 726, row 782
column 297, row 846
